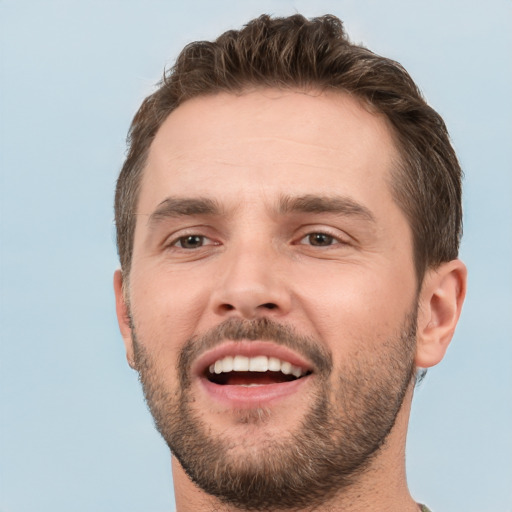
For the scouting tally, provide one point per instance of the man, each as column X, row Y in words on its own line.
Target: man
column 288, row 221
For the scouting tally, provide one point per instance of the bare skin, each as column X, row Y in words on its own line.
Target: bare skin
column 340, row 270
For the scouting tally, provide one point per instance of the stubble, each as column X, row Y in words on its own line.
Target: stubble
column 353, row 409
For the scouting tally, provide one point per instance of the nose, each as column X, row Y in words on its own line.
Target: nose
column 252, row 284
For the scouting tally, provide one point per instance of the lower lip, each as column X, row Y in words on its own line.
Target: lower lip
column 242, row 397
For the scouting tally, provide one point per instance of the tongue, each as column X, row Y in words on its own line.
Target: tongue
column 246, row 378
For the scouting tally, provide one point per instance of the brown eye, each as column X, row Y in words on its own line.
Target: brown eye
column 320, row 239
column 190, row 242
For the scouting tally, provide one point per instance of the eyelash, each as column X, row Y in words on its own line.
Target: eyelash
column 331, row 239
column 178, row 242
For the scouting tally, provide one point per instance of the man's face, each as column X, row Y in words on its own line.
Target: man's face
column 272, row 292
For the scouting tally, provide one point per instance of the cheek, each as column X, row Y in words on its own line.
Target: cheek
column 354, row 308
column 167, row 309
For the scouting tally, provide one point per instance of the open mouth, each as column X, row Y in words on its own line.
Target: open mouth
column 253, row 371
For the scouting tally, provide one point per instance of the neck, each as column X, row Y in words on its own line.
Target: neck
column 383, row 485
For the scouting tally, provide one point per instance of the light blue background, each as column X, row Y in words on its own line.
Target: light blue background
column 75, row 433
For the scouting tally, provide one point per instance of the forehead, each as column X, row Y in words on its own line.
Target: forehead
column 269, row 141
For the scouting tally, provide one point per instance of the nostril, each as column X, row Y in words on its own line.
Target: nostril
column 246, row 311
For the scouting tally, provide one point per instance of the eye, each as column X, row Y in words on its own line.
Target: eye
column 319, row 240
column 192, row 242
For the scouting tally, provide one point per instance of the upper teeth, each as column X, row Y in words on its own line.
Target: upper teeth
column 254, row 364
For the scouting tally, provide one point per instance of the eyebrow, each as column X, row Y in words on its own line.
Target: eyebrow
column 180, row 207
column 324, row 204
column 173, row 207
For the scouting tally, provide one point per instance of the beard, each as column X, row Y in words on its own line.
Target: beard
column 341, row 432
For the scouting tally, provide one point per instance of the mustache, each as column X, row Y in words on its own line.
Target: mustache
column 236, row 329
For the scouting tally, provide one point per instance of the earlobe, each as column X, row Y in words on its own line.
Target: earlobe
column 123, row 316
column 440, row 304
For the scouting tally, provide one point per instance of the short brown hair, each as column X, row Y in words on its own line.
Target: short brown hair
column 315, row 54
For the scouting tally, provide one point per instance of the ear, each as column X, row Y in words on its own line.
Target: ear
column 123, row 316
column 440, row 303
